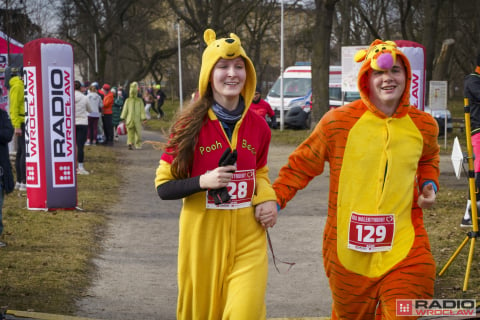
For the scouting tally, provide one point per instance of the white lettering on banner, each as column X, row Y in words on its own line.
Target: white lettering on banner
column 62, row 125
column 31, row 127
column 415, row 90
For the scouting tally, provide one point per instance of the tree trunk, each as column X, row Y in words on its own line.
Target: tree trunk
column 442, row 63
column 321, row 57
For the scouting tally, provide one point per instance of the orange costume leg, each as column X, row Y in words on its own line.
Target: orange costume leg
column 357, row 297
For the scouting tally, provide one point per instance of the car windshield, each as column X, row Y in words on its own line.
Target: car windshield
column 352, row 96
column 292, row 87
column 335, row 93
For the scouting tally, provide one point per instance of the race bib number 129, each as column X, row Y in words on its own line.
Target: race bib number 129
column 371, row 232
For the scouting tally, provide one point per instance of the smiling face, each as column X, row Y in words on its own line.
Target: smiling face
column 387, row 87
column 227, row 80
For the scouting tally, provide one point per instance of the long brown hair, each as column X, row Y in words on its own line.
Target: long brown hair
column 184, row 134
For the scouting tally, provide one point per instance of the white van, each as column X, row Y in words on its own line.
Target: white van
column 297, row 84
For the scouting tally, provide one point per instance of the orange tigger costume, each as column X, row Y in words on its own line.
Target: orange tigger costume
column 375, row 246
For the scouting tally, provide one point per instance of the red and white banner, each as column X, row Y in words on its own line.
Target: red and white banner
column 50, row 124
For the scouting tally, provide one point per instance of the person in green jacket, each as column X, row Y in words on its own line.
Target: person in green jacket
column 117, row 109
column 17, row 114
column 133, row 114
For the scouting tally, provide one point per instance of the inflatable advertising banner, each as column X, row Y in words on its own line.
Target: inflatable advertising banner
column 416, row 54
column 50, row 124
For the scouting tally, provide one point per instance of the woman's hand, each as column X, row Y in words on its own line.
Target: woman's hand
column 266, row 213
column 217, row 178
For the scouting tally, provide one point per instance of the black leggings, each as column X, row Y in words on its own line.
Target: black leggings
column 81, row 132
column 20, row 164
column 108, row 127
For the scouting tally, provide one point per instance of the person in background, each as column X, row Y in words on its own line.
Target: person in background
column 471, row 91
column 383, row 157
column 6, row 175
column 82, row 108
column 96, row 104
column 149, row 102
column 217, row 142
column 263, row 108
column 133, row 114
column 160, row 97
column 17, row 114
column 107, row 112
column 117, row 109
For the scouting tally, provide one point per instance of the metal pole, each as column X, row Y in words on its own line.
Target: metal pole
column 96, row 58
column 180, row 93
column 281, row 72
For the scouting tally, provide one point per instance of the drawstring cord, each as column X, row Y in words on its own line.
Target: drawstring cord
column 291, row 264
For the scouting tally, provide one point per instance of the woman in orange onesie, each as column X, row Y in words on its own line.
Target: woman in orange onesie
column 384, row 167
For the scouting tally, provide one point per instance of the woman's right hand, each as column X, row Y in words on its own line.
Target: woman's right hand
column 217, row 178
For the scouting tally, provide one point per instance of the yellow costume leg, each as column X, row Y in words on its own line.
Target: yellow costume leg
column 246, row 283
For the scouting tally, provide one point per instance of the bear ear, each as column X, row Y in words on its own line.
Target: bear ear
column 360, row 55
column 209, row 36
column 234, row 36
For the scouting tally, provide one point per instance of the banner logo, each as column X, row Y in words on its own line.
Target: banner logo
column 436, row 307
column 31, row 127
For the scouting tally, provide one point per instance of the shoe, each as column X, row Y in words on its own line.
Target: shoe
column 87, row 143
column 3, row 244
column 17, row 185
column 138, row 147
column 116, row 138
column 130, row 147
column 467, row 223
column 82, row 171
column 23, row 187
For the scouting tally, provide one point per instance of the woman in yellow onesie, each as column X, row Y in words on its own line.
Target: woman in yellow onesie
column 216, row 160
column 383, row 155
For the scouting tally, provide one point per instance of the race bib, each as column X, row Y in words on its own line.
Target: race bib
column 371, row 233
column 240, row 189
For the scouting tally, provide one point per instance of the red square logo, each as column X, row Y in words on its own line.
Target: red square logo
column 64, row 173
column 404, row 308
column 32, row 174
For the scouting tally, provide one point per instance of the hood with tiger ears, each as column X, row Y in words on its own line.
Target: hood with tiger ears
column 225, row 48
column 381, row 56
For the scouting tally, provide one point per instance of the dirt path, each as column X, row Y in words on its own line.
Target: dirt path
column 136, row 277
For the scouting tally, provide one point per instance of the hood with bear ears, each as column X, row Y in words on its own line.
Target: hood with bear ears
column 225, row 48
column 381, row 56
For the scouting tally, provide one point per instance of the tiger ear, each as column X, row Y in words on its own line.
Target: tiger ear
column 392, row 43
column 360, row 55
column 209, row 36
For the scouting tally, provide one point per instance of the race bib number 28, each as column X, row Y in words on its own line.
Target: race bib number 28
column 240, row 189
column 371, row 232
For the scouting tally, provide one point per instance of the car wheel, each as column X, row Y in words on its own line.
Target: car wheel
column 308, row 121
